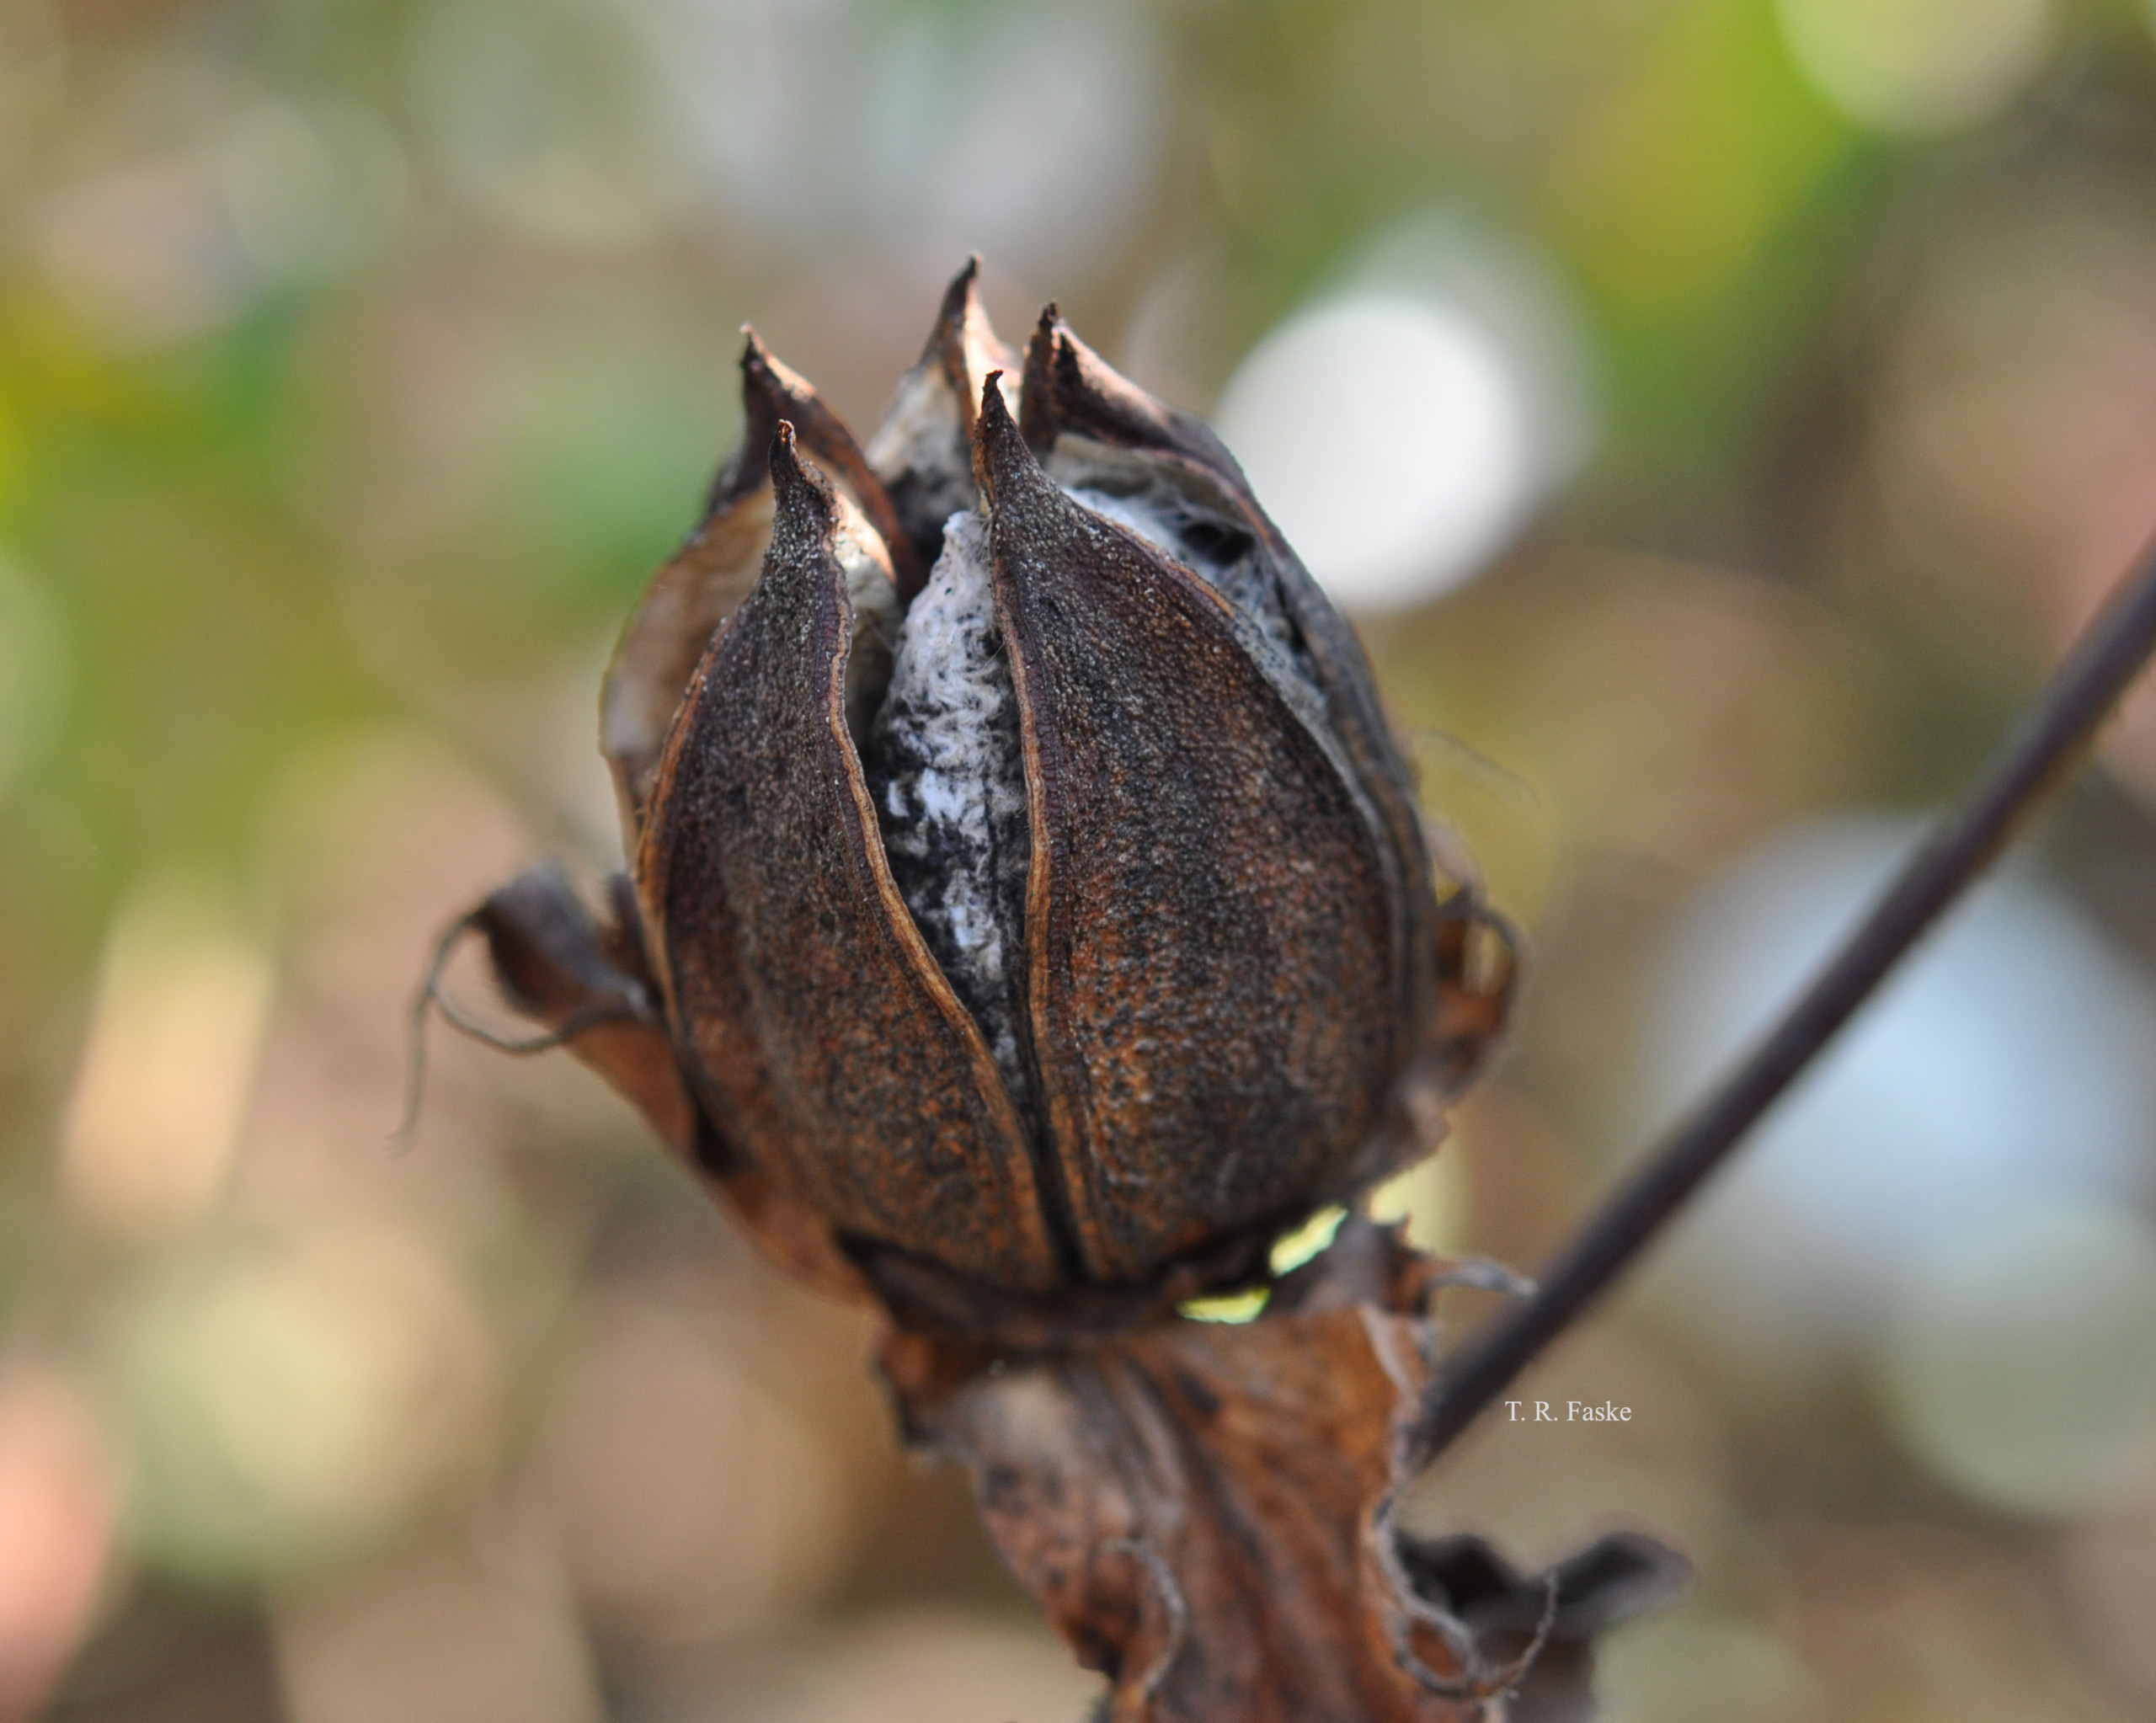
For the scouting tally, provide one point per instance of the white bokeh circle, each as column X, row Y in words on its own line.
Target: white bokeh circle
column 2004, row 1067
column 1389, row 437
column 2020, row 1364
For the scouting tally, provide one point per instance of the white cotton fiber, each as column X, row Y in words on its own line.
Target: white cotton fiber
column 944, row 758
column 945, row 769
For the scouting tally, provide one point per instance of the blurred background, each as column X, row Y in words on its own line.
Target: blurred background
column 1716, row 413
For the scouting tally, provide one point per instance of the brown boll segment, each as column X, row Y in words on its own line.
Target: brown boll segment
column 1210, row 940
column 1069, row 389
column 717, row 566
column 827, row 1048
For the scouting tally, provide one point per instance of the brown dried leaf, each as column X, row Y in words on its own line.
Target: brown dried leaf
column 1203, row 1510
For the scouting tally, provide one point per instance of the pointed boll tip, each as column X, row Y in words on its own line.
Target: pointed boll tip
column 1058, row 349
column 1047, row 329
column 964, row 342
column 786, row 468
column 763, row 404
column 800, row 491
column 760, row 365
column 957, row 298
column 961, row 308
column 1069, row 384
column 1040, row 419
column 768, row 371
column 964, row 286
column 763, row 393
column 1000, row 455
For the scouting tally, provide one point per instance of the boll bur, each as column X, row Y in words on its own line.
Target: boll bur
column 1027, row 900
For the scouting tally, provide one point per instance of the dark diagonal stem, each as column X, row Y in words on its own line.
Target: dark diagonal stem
column 2048, row 743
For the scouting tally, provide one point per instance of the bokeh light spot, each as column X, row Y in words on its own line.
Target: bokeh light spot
column 311, row 188
column 545, row 115
column 1390, row 439
column 2020, row 1365
column 167, row 1067
column 293, row 1397
column 1917, row 65
column 57, row 1515
column 2006, row 1065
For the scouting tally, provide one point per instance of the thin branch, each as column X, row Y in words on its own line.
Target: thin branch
column 2048, row 743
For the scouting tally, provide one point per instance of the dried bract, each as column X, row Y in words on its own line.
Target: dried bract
column 1203, row 1510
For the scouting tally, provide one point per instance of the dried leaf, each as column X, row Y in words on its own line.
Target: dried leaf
column 1203, row 1511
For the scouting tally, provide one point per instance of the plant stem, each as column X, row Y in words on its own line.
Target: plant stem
column 2049, row 741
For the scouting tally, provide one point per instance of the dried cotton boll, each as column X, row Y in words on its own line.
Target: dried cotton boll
column 1099, row 944
column 1117, row 954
